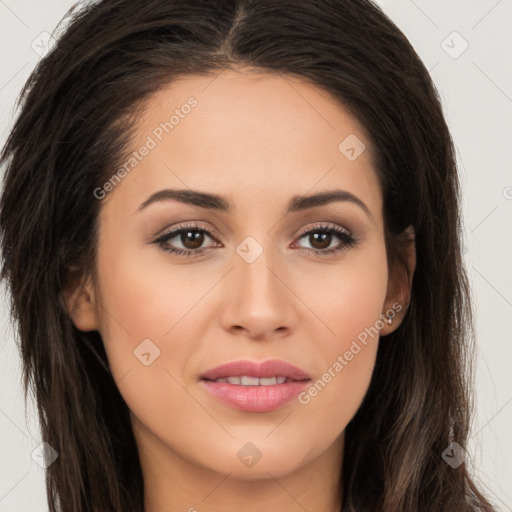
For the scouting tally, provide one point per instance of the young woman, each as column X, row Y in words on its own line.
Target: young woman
column 230, row 231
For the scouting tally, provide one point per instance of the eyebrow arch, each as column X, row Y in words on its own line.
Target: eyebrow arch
column 215, row 202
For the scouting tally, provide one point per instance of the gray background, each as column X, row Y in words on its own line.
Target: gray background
column 475, row 85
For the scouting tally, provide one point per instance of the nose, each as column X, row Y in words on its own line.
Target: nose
column 259, row 300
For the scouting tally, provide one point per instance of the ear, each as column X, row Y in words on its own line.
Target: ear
column 400, row 282
column 78, row 297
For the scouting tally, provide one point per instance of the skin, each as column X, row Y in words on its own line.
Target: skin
column 257, row 139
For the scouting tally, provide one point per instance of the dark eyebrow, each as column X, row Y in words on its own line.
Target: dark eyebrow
column 215, row 202
column 322, row 198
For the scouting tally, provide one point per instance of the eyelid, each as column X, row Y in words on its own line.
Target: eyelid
column 323, row 225
column 347, row 239
column 193, row 226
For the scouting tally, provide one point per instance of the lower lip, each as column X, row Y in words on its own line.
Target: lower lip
column 255, row 398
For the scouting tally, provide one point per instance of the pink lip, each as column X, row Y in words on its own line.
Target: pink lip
column 270, row 368
column 256, row 398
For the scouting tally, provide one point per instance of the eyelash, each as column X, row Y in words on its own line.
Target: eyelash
column 348, row 240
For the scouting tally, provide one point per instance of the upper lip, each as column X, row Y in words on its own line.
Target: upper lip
column 265, row 369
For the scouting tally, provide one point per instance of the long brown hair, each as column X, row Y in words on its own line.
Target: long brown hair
column 78, row 112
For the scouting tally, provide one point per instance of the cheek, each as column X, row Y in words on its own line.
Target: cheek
column 347, row 298
column 150, row 321
column 349, row 304
column 348, row 361
column 134, row 305
column 143, row 314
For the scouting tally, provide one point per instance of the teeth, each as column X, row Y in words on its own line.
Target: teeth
column 249, row 381
column 253, row 381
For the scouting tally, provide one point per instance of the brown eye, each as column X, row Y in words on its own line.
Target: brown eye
column 320, row 241
column 186, row 240
column 192, row 239
column 321, row 237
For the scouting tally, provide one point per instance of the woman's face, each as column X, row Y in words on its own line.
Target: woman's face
column 271, row 281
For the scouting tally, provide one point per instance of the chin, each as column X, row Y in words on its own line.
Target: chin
column 254, row 457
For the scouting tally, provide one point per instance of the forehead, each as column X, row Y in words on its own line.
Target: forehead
column 248, row 134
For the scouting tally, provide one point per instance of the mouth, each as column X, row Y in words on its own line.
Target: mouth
column 255, row 387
